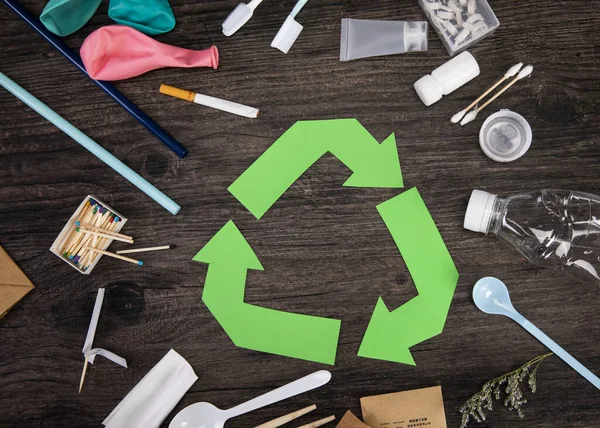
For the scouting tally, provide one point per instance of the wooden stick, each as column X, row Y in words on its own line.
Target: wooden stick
column 86, row 215
column 482, row 96
column 90, row 256
column 287, row 418
column 141, row 250
column 71, row 235
column 319, row 422
column 116, row 256
column 85, row 364
column 81, row 239
column 500, row 92
column 92, row 217
column 85, row 241
column 87, row 226
column 106, row 235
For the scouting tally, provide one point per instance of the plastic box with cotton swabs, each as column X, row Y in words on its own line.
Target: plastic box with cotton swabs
column 460, row 23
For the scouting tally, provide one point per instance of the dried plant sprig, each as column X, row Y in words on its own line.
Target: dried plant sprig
column 476, row 406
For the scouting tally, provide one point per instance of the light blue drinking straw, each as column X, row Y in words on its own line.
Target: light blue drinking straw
column 105, row 156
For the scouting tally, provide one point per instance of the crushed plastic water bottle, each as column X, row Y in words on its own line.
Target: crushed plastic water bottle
column 551, row 228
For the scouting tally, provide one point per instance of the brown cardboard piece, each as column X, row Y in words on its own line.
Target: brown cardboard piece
column 14, row 285
column 419, row 408
column 351, row 421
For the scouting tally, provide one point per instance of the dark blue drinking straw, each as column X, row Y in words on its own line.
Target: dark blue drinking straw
column 131, row 108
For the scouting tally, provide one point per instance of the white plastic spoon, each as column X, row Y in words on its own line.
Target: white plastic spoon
column 470, row 117
column 491, row 296
column 205, row 415
column 239, row 16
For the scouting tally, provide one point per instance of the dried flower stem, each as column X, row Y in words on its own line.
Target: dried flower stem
column 476, row 406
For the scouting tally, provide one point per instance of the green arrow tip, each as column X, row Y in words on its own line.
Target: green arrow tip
column 380, row 169
column 381, row 341
column 229, row 246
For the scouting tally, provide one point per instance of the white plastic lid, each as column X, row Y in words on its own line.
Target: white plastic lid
column 505, row 136
column 479, row 211
column 429, row 90
column 415, row 36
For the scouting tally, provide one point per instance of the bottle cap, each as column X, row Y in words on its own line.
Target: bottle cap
column 415, row 36
column 479, row 211
column 429, row 90
column 505, row 136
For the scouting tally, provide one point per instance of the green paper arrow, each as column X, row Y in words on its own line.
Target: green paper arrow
column 283, row 333
column 390, row 334
column 372, row 164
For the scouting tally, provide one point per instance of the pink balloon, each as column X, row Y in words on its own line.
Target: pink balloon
column 118, row 52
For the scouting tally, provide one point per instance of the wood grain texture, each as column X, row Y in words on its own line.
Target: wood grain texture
column 325, row 250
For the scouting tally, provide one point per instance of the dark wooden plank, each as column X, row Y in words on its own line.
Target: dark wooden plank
column 324, row 247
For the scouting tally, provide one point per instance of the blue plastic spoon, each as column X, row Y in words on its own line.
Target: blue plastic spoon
column 491, row 296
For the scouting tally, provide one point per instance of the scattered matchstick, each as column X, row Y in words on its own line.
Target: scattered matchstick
column 87, row 226
column 141, row 250
column 116, row 256
column 287, row 418
column 105, row 235
column 319, row 423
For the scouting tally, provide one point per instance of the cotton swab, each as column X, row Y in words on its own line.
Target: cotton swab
column 142, row 250
column 287, row 418
column 319, row 423
column 116, row 256
column 469, row 117
column 213, row 102
column 510, row 73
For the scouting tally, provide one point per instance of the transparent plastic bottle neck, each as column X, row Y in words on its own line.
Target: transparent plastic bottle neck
column 495, row 222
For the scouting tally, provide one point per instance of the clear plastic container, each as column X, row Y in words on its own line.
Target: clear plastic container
column 460, row 23
column 365, row 38
column 551, row 228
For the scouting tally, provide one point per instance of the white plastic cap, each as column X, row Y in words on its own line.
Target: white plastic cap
column 415, row 36
column 505, row 136
column 479, row 211
column 429, row 90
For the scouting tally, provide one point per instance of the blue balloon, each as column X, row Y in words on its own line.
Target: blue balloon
column 148, row 16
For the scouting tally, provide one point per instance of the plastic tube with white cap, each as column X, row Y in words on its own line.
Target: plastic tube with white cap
column 447, row 78
column 364, row 38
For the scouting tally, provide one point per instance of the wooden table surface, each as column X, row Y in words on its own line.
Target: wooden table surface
column 325, row 250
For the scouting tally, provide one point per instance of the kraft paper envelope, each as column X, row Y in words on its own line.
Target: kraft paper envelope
column 14, row 285
column 350, row 421
column 419, row 408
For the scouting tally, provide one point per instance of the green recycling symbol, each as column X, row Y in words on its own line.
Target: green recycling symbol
column 390, row 334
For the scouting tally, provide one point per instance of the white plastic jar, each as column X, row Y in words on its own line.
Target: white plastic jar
column 447, row 78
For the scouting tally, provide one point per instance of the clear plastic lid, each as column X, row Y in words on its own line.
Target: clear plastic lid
column 505, row 136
